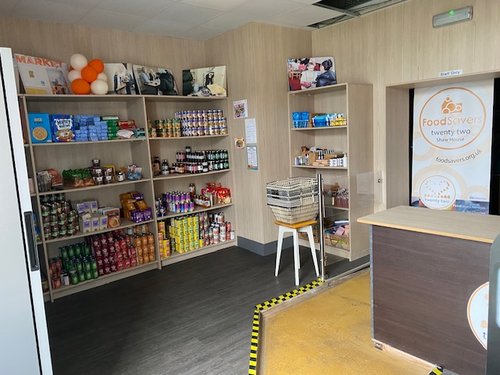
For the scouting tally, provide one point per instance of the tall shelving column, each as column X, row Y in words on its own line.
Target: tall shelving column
column 72, row 155
column 356, row 139
column 164, row 107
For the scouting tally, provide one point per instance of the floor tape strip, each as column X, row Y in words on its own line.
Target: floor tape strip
column 254, row 341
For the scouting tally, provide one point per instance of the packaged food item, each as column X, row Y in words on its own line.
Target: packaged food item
column 62, row 128
column 40, row 129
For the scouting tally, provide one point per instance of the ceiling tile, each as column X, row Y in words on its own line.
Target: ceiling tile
column 113, row 20
column 171, row 28
column 227, row 21
column 181, row 12
column 307, row 2
column 201, row 33
column 6, row 7
column 304, row 16
column 140, row 8
column 265, row 10
column 87, row 4
column 48, row 11
column 223, row 5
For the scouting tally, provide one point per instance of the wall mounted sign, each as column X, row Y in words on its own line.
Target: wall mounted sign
column 452, row 147
column 240, row 109
column 477, row 313
column 252, row 158
column 251, row 131
column 451, row 73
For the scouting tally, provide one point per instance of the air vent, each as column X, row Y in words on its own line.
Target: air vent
column 350, row 9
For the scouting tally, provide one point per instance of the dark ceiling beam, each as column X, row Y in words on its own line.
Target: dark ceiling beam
column 343, row 11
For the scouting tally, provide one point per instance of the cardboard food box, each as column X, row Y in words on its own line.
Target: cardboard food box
column 40, row 130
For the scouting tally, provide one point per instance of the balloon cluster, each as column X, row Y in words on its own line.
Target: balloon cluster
column 87, row 76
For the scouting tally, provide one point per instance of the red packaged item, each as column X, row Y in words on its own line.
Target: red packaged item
column 100, row 270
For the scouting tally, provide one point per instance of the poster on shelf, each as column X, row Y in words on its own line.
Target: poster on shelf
column 154, row 81
column 42, row 76
column 252, row 158
column 311, row 72
column 452, row 131
column 120, row 78
column 240, row 109
column 209, row 81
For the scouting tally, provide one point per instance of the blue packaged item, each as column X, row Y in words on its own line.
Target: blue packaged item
column 62, row 128
column 320, row 121
column 40, row 130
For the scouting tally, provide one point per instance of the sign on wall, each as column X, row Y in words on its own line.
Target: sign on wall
column 452, row 147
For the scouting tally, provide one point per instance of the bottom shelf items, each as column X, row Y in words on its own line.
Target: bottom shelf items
column 102, row 255
column 192, row 232
column 178, row 257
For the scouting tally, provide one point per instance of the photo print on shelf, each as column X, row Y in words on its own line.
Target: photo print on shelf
column 311, row 72
column 154, row 81
column 42, row 76
column 209, row 81
column 120, row 79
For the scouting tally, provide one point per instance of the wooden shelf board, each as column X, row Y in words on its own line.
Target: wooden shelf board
column 125, row 224
column 321, row 128
column 95, row 187
column 181, row 98
column 192, row 175
column 336, row 207
column 59, row 144
column 328, row 249
column 320, row 90
column 175, row 258
column 79, row 98
column 312, row 167
column 102, row 280
column 185, row 138
column 197, row 210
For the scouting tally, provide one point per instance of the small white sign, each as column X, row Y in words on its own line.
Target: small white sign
column 477, row 313
column 451, row 73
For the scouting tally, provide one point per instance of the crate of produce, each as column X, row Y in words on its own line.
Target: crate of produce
column 292, row 192
column 295, row 214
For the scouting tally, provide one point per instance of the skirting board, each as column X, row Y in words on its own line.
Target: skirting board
column 263, row 249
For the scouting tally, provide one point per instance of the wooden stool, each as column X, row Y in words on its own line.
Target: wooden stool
column 295, row 229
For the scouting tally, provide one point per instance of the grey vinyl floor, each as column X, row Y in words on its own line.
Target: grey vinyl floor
column 193, row 317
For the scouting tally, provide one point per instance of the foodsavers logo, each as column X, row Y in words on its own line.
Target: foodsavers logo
column 452, row 118
column 437, row 192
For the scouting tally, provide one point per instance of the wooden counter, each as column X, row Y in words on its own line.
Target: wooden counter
column 474, row 227
column 425, row 266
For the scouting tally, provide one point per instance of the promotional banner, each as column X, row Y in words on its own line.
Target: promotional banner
column 452, row 129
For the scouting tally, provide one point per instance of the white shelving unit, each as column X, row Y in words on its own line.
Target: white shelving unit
column 355, row 101
column 122, row 152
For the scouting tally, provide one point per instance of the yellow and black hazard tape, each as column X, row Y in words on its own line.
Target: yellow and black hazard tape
column 254, row 342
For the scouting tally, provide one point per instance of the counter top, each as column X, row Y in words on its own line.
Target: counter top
column 466, row 226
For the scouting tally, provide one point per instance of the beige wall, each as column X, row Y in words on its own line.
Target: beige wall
column 390, row 46
column 399, row 45
column 60, row 41
column 255, row 56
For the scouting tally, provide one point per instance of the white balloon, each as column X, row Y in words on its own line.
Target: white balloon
column 102, row 77
column 74, row 74
column 78, row 61
column 99, row 87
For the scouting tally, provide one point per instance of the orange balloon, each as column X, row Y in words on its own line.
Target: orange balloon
column 97, row 64
column 80, row 87
column 89, row 74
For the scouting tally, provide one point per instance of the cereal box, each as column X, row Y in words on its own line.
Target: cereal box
column 62, row 128
column 40, row 127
